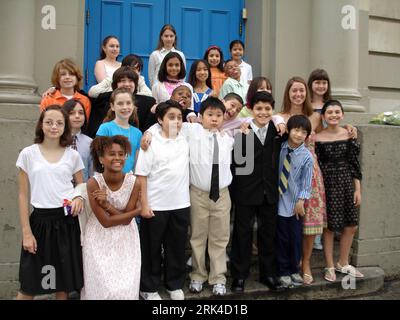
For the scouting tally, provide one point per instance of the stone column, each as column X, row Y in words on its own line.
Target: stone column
column 335, row 48
column 17, row 19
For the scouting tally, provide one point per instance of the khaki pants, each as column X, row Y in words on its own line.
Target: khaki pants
column 209, row 220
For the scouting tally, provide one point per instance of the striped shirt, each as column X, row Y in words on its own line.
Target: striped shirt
column 299, row 182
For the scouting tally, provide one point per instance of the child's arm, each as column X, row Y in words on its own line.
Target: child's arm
column 99, row 71
column 357, row 192
column 279, row 123
column 152, row 69
column 103, row 86
column 77, row 203
column 101, row 211
column 352, row 131
column 146, row 210
column 305, row 188
column 143, row 89
column 28, row 239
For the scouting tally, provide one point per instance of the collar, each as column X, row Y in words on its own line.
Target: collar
column 163, row 50
column 256, row 128
column 296, row 150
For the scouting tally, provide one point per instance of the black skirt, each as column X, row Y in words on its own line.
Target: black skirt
column 57, row 264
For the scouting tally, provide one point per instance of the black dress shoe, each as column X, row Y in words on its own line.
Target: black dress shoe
column 237, row 285
column 272, row 283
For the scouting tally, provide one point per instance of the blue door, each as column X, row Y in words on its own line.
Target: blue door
column 137, row 24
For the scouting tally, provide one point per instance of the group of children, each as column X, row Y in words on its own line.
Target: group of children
column 179, row 158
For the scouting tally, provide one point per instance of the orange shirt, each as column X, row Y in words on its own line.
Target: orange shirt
column 217, row 79
column 58, row 98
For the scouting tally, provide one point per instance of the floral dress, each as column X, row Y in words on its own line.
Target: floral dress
column 315, row 219
column 339, row 164
column 111, row 256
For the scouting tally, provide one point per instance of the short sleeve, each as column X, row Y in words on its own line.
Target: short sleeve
column 23, row 161
column 103, row 131
column 77, row 163
column 144, row 162
column 354, row 152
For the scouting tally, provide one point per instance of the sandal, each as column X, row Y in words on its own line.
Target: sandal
column 349, row 269
column 330, row 274
column 307, row 278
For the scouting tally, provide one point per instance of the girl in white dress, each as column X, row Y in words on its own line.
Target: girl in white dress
column 111, row 247
column 167, row 42
column 105, row 67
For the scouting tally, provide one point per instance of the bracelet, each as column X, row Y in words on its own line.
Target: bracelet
column 108, row 207
column 78, row 197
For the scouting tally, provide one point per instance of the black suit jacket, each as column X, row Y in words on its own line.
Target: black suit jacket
column 262, row 181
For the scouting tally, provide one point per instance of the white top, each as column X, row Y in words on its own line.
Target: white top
column 166, row 165
column 105, row 86
column 155, row 60
column 201, row 146
column 110, row 69
column 246, row 72
column 50, row 183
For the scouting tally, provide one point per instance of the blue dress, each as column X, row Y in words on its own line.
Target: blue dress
column 199, row 97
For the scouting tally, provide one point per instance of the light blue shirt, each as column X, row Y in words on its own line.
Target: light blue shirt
column 300, row 176
column 133, row 134
column 83, row 147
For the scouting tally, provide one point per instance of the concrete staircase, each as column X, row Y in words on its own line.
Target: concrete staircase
column 343, row 287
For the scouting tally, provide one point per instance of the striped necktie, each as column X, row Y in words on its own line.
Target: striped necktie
column 73, row 145
column 284, row 178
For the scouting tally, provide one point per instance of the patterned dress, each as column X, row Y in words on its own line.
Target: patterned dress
column 111, row 256
column 315, row 219
column 339, row 164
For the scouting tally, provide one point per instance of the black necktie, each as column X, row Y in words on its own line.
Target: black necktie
column 214, row 189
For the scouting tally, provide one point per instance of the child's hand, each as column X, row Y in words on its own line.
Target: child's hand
column 48, row 92
column 76, row 206
column 244, row 128
column 281, row 128
column 192, row 119
column 145, row 141
column 147, row 212
column 351, row 130
column 100, row 196
column 357, row 198
column 299, row 209
column 153, row 108
column 29, row 243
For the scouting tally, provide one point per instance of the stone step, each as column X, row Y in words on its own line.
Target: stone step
column 373, row 281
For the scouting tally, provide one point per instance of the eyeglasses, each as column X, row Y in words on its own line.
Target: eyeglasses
column 51, row 123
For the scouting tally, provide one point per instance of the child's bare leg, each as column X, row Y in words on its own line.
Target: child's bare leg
column 308, row 243
column 23, row 296
column 328, row 237
column 61, row 295
column 346, row 241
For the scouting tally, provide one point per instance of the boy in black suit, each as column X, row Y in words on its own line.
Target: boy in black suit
column 255, row 193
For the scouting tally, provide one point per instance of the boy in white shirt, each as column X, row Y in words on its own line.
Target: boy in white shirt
column 210, row 176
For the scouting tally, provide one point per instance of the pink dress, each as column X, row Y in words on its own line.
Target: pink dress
column 111, row 256
column 315, row 219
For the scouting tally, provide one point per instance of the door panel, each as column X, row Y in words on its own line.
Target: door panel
column 137, row 24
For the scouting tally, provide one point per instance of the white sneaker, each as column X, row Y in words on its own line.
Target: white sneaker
column 297, row 280
column 286, row 281
column 176, row 294
column 195, row 286
column 150, row 295
column 219, row 289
